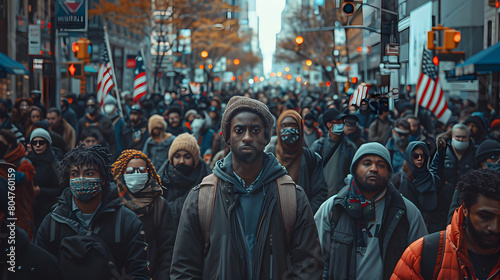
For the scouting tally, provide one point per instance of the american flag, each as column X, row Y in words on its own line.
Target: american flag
column 140, row 85
column 360, row 93
column 104, row 76
column 429, row 92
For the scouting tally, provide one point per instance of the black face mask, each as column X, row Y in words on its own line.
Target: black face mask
column 309, row 123
column 184, row 169
column 91, row 111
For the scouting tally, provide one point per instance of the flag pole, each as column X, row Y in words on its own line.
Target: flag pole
column 145, row 68
column 110, row 57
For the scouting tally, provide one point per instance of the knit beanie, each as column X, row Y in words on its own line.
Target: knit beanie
column 486, row 149
column 238, row 104
column 40, row 132
column 157, row 121
column 371, row 148
column 185, row 142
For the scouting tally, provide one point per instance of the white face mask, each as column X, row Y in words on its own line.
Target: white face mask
column 136, row 181
column 459, row 146
column 108, row 109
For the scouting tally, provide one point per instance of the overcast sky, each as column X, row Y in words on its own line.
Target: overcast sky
column 269, row 12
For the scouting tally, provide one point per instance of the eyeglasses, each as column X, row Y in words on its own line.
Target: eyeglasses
column 417, row 156
column 140, row 169
column 497, row 157
column 38, row 142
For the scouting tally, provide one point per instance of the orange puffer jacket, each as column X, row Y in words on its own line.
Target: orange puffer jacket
column 456, row 263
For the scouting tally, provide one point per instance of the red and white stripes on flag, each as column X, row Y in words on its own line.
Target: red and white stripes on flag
column 429, row 92
column 360, row 93
column 104, row 81
column 140, row 82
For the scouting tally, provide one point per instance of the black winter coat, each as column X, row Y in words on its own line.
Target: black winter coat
column 160, row 232
column 130, row 253
column 311, row 179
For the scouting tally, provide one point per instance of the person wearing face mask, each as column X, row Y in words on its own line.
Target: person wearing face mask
column 95, row 120
column 89, row 206
column 495, row 130
column 336, row 150
column 140, row 190
column 304, row 166
column 183, row 170
column 135, row 131
column 365, row 117
column 452, row 160
column 398, row 142
column 381, row 125
column 421, row 187
column 487, row 157
column 46, row 180
column 311, row 130
column 353, row 130
column 110, row 109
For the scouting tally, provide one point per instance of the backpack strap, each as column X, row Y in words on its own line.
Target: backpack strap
column 206, row 202
column 288, row 199
column 432, row 250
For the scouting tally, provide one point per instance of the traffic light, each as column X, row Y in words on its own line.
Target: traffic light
column 348, row 7
column 451, row 39
column 435, row 60
column 82, row 49
column 74, row 69
column 494, row 3
column 354, row 80
column 299, row 40
column 431, row 37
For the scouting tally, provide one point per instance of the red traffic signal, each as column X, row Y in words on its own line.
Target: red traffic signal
column 435, row 60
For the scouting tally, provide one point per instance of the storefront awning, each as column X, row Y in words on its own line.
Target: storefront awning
column 8, row 65
column 483, row 62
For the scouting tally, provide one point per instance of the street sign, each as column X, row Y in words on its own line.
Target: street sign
column 72, row 15
column 37, row 64
column 167, row 64
column 392, row 49
column 34, row 39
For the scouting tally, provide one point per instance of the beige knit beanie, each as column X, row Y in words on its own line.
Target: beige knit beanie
column 188, row 143
column 238, row 104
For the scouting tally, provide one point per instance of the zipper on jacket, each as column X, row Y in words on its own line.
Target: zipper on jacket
column 260, row 225
column 271, row 257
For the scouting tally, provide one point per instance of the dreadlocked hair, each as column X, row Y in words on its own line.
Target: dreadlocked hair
column 96, row 156
column 120, row 164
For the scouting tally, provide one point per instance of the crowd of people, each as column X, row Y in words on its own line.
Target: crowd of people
column 258, row 185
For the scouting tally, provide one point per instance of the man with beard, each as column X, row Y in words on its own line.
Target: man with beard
column 366, row 227
column 94, row 120
column 469, row 248
column 174, row 118
column 135, row 131
column 248, row 236
column 61, row 126
column 398, row 142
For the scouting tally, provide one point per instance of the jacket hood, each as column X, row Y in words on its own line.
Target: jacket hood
column 409, row 160
column 271, row 170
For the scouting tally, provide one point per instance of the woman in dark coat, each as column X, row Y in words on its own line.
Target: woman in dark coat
column 421, row 187
column 139, row 189
column 46, row 180
column 182, row 171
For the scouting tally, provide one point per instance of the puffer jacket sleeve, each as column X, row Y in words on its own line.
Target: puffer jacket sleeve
column 307, row 259
column 187, row 260
column 408, row 266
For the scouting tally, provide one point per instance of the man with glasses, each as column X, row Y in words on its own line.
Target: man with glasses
column 455, row 159
column 336, row 150
column 398, row 142
column 95, row 120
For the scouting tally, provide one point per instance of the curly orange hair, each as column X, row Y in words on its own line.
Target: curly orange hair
column 118, row 167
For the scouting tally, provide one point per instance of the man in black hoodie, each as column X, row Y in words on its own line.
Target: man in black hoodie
column 248, row 237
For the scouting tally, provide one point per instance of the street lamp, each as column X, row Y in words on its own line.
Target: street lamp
column 204, row 54
column 299, row 40
column 309, row 62
column 236, row 61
